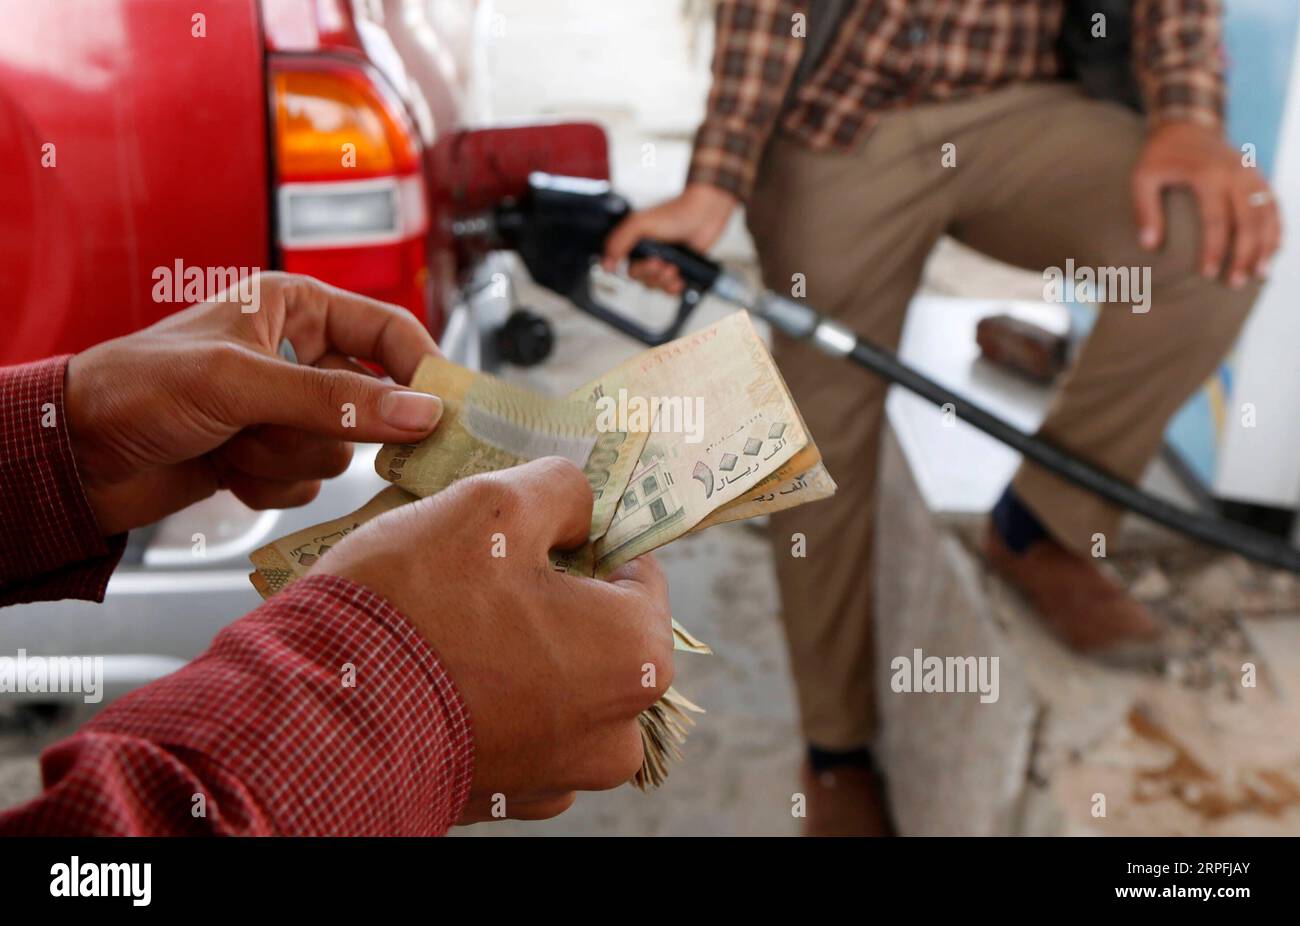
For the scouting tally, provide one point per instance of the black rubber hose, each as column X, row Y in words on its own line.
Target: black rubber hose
column 1250, row 543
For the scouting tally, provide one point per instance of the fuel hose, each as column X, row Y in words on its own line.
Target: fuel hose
column 801, row 321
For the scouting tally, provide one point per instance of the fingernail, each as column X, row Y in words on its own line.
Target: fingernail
column 1148, row 238
column 1238, row 280
column 1261, row 269
column 411, row 411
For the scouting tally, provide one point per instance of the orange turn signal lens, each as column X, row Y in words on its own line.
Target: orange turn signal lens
column 335, row 124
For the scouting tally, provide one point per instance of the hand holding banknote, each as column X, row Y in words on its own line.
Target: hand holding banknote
column 202, row 400
column 554, row 668
column 747, row 454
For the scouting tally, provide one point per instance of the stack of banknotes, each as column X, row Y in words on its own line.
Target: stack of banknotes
column 680, row 437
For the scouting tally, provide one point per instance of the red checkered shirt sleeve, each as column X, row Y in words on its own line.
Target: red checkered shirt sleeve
column 50, row 545
column 755, row 56
column 323, row 712
column 1179, row 59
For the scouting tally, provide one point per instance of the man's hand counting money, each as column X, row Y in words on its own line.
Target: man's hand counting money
column 554, row 668
column 164, row 417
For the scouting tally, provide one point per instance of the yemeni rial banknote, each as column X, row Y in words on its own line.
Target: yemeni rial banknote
column 281, row 561
column 746, row 453
column 750, row 430
column 489, row 425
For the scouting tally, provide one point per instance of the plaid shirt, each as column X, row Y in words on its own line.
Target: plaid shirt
column 888, row 54
column 259, row 735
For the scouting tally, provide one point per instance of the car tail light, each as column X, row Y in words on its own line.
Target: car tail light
column 351, row 203
column 337, row 119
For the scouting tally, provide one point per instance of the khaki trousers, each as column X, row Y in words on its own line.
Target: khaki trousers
column 1042, row 175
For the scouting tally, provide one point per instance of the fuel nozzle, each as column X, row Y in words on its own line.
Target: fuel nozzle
column 559, row 228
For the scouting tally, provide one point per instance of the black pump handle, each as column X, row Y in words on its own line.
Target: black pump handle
column 698, row 273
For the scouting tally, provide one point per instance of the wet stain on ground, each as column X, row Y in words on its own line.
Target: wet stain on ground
column 1186, row 780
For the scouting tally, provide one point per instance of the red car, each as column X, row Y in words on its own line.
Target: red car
column 147, row 145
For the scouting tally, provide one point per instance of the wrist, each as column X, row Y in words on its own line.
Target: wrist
column 1182, row 123
column 714, row 198
column 79, row 396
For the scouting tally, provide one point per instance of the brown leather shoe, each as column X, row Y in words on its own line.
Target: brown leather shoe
column 845, row 801
column 1021, row 347
column 1075, row 600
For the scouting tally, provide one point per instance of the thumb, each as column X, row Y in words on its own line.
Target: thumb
column 622, row 239
column 337, row 403
column 1148, row 210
